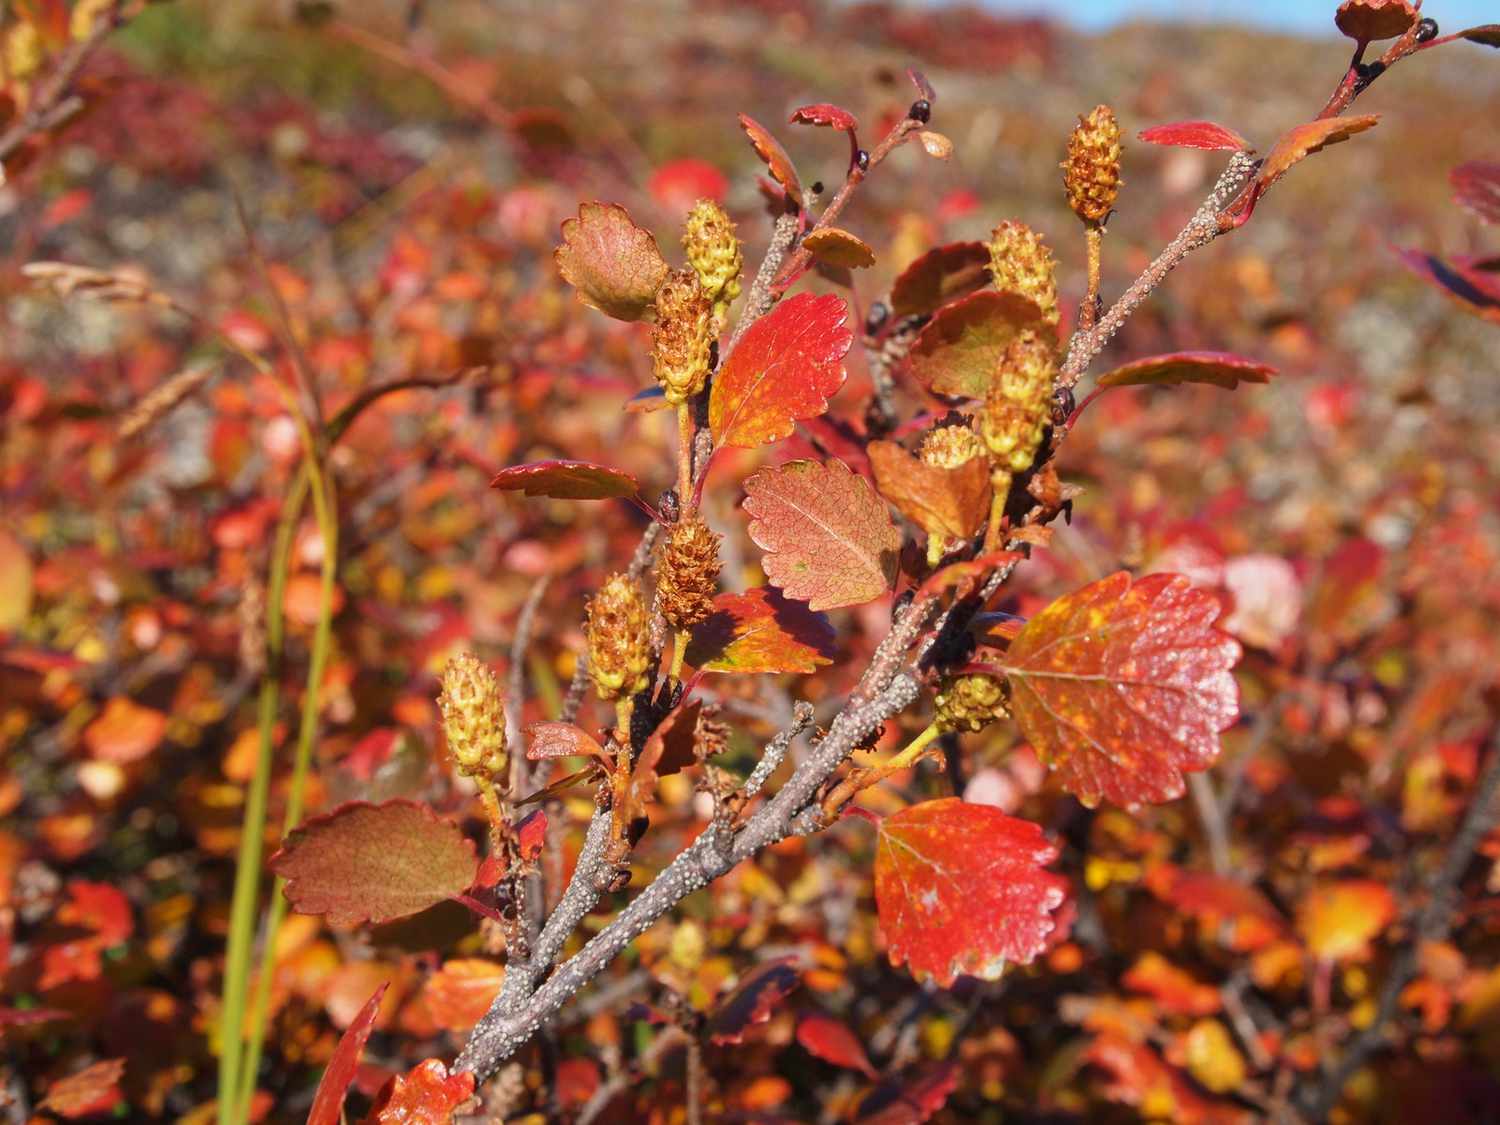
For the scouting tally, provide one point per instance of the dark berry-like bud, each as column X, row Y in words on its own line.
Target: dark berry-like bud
column 1427, row 30
column 862, row 160
column 817, row 187
column 921, row 110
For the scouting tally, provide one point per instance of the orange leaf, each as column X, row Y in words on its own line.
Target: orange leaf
column 1121, row 687
column 833, row 1042
column 777, row 162
column 124, row 731
column 1174, row 990
column 16, row 575
column 1339, row 920
column 462, row 991
column 835, row 247
column 960, row 889
column 784, row 369
column 425, row 1095
column 612, row 264
column 1371, row 20
column 828, row 538
column 944, row 503
column 566, row 480
column 1298, row 143
column 761, row 631
column 94, row 1089
column 1219, row 369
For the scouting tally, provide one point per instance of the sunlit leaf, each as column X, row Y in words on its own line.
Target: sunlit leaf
column 364, row 862
column 1373, row 20
column 777, row 162
column 961, row 889
column 943, row 274
column 835, row 247
column 461, row 991
column 614, row 265
column 1122, row 687
column 761, row 631
column 785, row 368
column 1243, row 915
column 958, row 353
column 425, row 1095
column 93, row 1090
column 1339, row 920
column 566, row 480
column 559, row 740
column 1195, row 134
column 1300, row 142
column 1175, row 990
column 328, row 1101
column 1219, row 369
column 828, row 537
column 124, row 731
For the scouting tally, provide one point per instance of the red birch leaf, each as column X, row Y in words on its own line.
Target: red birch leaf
column 1122, row 687
column 1219, row 369
column 1372, row 20
column 828, row 537
column 958, row 574
column 1243, row 918
column 753, row 1001
column 559, row 740
column 328, row 1102
column 425, row 1095
column 958, row 353
column 612, row 264
column 1298, row 143
column 1476, row 186
column 784, row 369
column 777, row 162
column 961, row 889
column 833, row 246
column 824, row 113
column 93, row 1090
column 566, row 480
column 831, row 1040
column 374, row 862
column 945, row 503
column 760, row 631
column 943, row 274
column 531, row 835
column 909, row 1098
column 1196, row 134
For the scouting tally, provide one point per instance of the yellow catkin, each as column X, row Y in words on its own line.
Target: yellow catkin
column 682, row 336
column 473, row 719
column 969, row 703
column 1091, row 173
column 162, row 400
column 688, row 577
column 1021, row 263
column 1015, row 414
column 619, row 639
column 715, row 253
column 949, row 447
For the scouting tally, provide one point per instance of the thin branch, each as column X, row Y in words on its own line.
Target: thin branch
column 51, row 104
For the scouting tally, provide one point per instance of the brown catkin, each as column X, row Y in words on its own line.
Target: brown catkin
column 715, row 253
column 688, row 577
column 473, row 719
column 969, row 703
column 619, row 638
column 1021, row 263
column 1091, row 173
column 682, row 336
column 949, row 447
column 161, row 400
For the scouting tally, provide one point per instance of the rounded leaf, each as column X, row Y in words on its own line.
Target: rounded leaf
column 612, row 264
column 961, row 889
column 1373, row 20
column 567, row 480
column 828, row 537
column 1338, row 921
column 364, row 862
column 1121, row 687
column 761, row 631
column 838, row 248
column 124, row 731
column 959, row 351
column 944, row 503
column 785, row 368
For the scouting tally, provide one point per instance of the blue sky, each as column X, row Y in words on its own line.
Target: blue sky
column 1312, row 16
